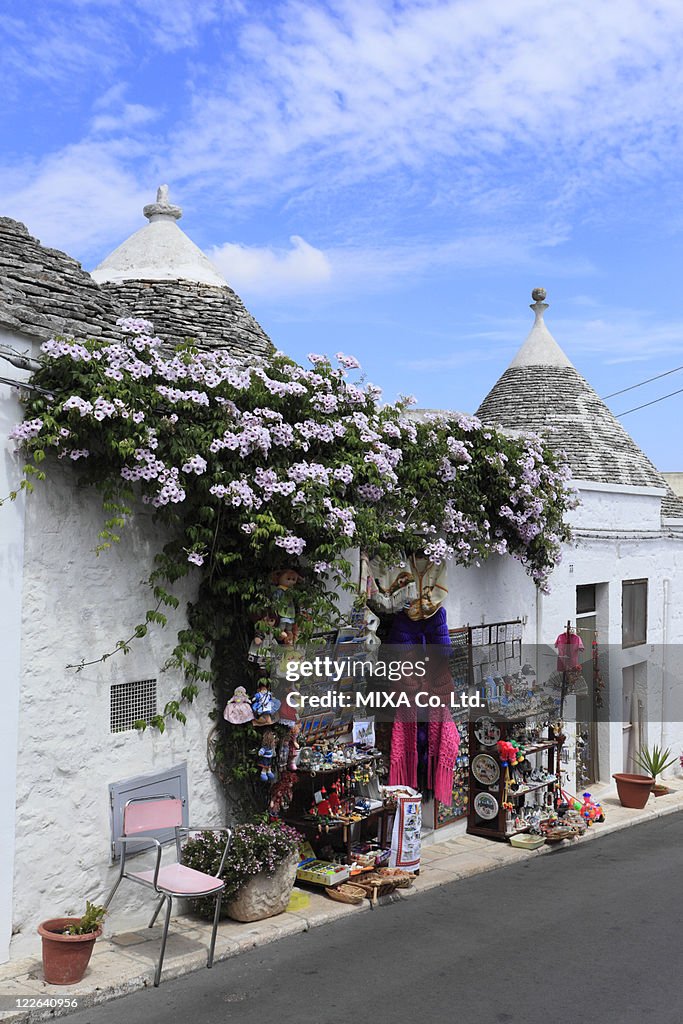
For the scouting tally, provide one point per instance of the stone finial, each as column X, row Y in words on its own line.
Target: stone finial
column 162, row 207
column 539, row 306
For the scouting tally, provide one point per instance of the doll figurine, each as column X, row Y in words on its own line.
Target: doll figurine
column 264, row 705
column 265, row 756
column 238, row 710
column 294, row 747
column 264, row 643
column 284, row 580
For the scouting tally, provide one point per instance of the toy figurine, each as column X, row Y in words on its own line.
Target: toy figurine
column 264, row 705
column 264, row 642
column 265, row 756
column 293, row 747
column 281, row 793
column 238, row 709
column 283, row 581
column 591, row 811
column 510, row 753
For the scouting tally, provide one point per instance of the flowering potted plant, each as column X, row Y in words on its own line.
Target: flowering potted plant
column 259, row 869
column 68, row 944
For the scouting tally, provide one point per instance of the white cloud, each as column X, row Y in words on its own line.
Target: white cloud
column 257, row 270
column 75, row 200
column 504, row 118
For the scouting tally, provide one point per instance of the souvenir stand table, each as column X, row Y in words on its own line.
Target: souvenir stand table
column 496, row 797
column 345, row 831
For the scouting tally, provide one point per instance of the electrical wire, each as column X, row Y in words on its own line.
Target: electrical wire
column 646, row 404
column 640, row 385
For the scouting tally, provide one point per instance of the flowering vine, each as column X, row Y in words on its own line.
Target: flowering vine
column 260, row 466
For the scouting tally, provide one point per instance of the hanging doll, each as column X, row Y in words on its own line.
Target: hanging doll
column 264, row 705
column 294, row 747
column 265, row 756
column 238, row 710
column 284, row 580
column 264, row 643
column 281, row 793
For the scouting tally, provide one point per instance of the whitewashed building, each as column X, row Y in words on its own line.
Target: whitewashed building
column 68, row 757
column 66, row 737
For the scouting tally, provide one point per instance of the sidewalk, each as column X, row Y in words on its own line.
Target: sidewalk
column 125, row 962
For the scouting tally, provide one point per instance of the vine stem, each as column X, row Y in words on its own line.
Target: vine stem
column 124, row 645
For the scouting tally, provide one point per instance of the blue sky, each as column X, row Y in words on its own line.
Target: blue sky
column 386, row 178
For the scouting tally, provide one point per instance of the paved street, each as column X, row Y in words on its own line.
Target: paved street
column 588, row 935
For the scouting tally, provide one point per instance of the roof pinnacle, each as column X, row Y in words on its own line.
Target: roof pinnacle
column 539, row 304
column 162, row 207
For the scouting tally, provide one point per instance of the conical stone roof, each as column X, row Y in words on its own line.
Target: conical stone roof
column 541, row 391
column 161, row 275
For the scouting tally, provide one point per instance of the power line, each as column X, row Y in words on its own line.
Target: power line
column 648, row 381
column 653, row 402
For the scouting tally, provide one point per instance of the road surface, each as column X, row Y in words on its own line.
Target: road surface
column 588, row 935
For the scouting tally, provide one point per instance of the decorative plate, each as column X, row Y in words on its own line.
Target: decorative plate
column 486, row 731
column 486, row 806
column 485, row 769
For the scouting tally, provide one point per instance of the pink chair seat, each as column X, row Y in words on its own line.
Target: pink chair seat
column 179, row 880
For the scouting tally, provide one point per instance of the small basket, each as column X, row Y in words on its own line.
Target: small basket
column 385, row 880
column 557, row 835
column 401, row 879
column 527, row 842
column 347, row 892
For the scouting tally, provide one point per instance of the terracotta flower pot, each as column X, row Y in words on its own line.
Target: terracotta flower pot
column 265, row 895
column 65, row 957
column 659, row 789
column 633, row 790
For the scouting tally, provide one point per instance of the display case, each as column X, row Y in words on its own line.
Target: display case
column 507, row 795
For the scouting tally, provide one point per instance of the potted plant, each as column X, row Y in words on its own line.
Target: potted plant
column 654, row 761
column 68, row 944
column 259, row 870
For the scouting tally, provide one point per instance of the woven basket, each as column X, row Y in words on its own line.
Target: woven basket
column 379, row 883
column 347, row 893
column 401, row 879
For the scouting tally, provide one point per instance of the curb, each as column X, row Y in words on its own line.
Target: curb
column 260, row 934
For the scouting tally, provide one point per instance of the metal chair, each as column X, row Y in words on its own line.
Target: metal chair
column 152, row 814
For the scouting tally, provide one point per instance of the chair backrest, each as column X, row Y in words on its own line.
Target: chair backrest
column 151, row 815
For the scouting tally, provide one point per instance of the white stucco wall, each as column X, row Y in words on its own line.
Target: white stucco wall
column 77, row 605
column 11, row 574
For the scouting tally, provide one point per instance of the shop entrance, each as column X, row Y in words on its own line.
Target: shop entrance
column 634, row 716
column 586, row 726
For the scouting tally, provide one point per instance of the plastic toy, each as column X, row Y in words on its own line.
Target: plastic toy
column 510, row 753
column 590, row 810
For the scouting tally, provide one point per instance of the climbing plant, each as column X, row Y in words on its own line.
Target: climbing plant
column 254, row 467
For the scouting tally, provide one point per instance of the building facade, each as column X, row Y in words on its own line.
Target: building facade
column 68, row 754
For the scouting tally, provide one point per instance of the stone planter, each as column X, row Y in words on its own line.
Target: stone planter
column 264, row 895
column 633, row 790
column 65, row 957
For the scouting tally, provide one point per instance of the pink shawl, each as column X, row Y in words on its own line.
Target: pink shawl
column 444, row 742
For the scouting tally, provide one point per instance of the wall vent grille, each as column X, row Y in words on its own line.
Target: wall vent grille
column 130, row 702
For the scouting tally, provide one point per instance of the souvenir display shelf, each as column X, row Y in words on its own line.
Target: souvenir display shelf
column 487, row 815
column 330, row 829
column 476, row 651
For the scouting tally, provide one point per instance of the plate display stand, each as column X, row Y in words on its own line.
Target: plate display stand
column 489, row 778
